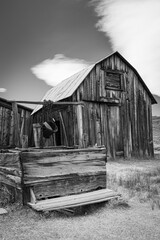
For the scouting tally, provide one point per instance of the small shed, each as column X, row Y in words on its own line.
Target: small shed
column 113, row 107
column 11, row 124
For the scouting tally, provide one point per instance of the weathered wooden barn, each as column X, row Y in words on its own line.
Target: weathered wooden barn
column 113, row 107
column 10, row 125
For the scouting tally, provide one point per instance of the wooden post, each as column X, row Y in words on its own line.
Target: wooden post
column 80, row 125
column 64, row 129
column 16, row 125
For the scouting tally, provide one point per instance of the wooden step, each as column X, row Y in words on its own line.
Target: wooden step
column 74, row 200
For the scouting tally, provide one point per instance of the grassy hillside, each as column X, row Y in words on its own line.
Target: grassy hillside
column 156, row 107
column 156, row 132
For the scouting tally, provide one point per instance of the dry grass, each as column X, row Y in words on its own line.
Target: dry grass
column 136, row 179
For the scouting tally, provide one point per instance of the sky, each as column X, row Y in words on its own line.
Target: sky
column 45, row 41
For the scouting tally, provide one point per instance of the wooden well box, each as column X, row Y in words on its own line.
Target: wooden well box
column 49, row 173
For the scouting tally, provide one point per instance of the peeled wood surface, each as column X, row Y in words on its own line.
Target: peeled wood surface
column 64, row 172
column 67, row 185
column 39, row 165
column 10, row 180
column 74, row 200
column 10, row 172
column 10, row 159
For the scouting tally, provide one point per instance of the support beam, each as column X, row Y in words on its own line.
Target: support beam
column 43, row 102
column 16, row 125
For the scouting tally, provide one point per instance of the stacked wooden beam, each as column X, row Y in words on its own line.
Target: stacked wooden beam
column 10, row 176
column 74, row 200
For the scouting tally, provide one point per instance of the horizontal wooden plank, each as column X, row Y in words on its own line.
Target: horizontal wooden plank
column 51, row 153
column 83, row 158
column 74, row 200
column 43, row 102
column 41, row 166
column 73, row 185
column 34, row 180
column 42, row 172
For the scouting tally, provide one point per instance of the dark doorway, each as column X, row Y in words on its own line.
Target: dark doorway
column 58, row 134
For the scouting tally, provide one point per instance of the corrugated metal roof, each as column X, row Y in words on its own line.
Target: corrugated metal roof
column 65, row 88
column 68, row 86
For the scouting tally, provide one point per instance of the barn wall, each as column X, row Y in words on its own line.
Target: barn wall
column 7, row 133
column 130, row 122
column 66, row 122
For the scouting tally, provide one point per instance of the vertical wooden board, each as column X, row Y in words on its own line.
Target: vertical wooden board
column 93, row 127
column 80, row 125
column 76, row 128
column 100, row 85
column 85, row 125
column 71, row 123
column 1, row 113
column 106, row 129
column 150, row 130
column 98, row 125
column 2, row 125
column 8, row 120
column 112, row 62
column 132, row 117
column 103, row 90
column 117, row 62
column 97, row 82
column 93, row 85
column 89, row 124
column 16, row 125
column 11, row 130
column 88, row 88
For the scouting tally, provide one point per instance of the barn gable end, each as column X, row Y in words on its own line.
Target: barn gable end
column 117, row 108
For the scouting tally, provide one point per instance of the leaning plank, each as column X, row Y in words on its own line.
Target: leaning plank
column 11, row 171
column 10, row 180
column 74, row 200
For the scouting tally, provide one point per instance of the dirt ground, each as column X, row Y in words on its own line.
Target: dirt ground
column 133, row 219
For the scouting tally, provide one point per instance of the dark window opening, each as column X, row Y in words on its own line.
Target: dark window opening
column 113, row 80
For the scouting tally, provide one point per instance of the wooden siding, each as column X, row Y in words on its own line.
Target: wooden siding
column 66, row 122
column 127, row 127
column 54, row 173
column 120, row 118
column 7, row 125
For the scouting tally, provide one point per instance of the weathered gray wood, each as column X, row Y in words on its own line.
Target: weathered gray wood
column 64, row 129
column 64, row 172
column 10, row 159
column 127, row 92
column 11, row 171
column 42, row 102
column 10, row 180
column 16, row 125
column 72, row 184
column 75, row 200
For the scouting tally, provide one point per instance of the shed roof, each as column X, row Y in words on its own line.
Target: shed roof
column 8, row 104
column 68, row 86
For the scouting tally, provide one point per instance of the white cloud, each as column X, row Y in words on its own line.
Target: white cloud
column 3, row 89
column 53, row 71
column 133, row 28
